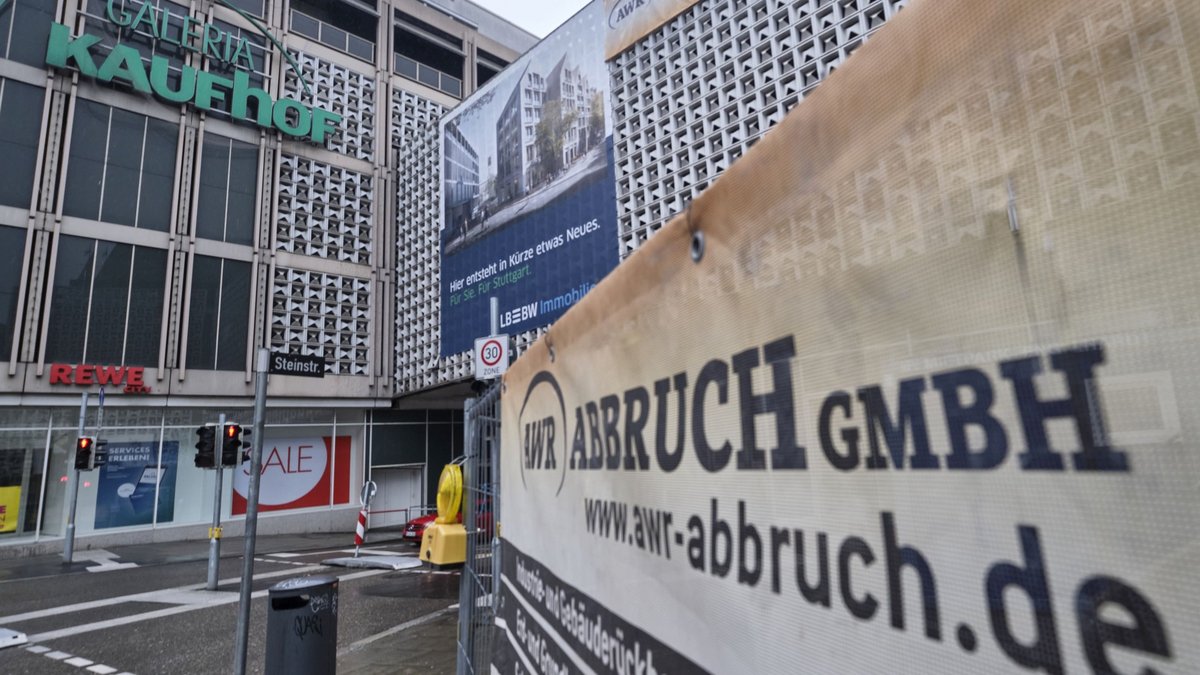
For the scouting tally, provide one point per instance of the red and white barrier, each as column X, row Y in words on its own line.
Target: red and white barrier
column 360, row 531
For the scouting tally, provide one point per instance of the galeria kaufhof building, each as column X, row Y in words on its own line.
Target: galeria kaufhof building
column 181, row 183
column 164, row 214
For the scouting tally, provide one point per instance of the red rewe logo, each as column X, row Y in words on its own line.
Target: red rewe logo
column 85, row 375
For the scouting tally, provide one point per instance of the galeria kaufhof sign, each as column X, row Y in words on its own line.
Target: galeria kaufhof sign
column 198, row 88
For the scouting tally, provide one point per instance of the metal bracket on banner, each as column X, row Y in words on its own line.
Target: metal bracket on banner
column 697, row 235
column 214, row 533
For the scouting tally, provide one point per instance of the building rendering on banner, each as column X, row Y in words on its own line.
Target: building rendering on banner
column 185, row 183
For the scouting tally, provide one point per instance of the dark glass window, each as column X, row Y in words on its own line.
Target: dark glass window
column 122, row 167
column 260, row 55
column 106, row 303
column 254, row 7
column 96, row 23
column 228, row 175
column 483, row 73
column 345, row 26
column 218, row 314
column 25, row 29
column 20, row 126
column 12, row 252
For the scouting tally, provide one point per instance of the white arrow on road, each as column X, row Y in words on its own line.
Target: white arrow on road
column 105, row 561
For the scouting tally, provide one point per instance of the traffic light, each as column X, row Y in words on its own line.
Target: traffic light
column 85, row 453
column 232, row 445
column 206, row 448
column 100, row 454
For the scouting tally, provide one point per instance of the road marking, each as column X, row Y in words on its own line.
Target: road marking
column 393, row 630
column 379, row 551
column 77, row 661
column 280, row 562
column 137, row 597
column 105, row 561
column 171, row 611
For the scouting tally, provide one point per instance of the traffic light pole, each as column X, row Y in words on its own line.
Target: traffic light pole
column 260, row 410
column 73, row 491
column 214, row 533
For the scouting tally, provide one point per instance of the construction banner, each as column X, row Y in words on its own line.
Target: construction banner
column 911, row 388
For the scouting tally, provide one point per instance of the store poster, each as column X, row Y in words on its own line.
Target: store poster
column 12, row 465
column 10, row 508
column 296, row 474
column 126, row 487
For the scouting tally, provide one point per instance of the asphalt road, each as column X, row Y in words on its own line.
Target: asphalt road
column 157, row 617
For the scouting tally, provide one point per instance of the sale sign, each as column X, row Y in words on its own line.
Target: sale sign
column 298, row 473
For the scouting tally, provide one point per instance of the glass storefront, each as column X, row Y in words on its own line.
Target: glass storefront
column 312, row 459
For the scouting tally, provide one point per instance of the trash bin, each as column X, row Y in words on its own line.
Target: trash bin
column 302, row 626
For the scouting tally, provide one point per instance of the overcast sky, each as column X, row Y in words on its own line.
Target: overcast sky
column 536, row 16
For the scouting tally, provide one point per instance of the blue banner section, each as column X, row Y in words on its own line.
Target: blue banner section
column 125, row 494
column 538, row 264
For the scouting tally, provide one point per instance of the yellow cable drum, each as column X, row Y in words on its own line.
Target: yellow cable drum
column 449, row 494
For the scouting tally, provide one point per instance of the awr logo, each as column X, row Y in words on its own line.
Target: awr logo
column 543, row 427
column 624, row 10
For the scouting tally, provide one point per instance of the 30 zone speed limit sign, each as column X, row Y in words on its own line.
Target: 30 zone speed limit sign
column 491, row 357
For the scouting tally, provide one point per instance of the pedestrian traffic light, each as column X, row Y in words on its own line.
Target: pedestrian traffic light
column 85, row 453
column 100, row 453
column 232, row 445
column 206, row 448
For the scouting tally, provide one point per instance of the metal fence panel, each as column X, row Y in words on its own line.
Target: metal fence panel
column 481, row 515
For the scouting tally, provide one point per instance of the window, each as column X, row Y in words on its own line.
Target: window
column 487, row 66
column 428, row 55
column 12, row 252
column 218, row 314
column 228, row 175
column 254, row 7
column 141, row 38
column 20, row 126
column 346, row 26
column 116, row 292
column 122, row 167
column 259, row 55
column 24, row 31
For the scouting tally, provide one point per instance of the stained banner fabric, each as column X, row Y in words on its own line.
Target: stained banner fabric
column 911, row 387
column 630, row 20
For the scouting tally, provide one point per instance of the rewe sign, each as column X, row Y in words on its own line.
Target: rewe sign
column 84, row 374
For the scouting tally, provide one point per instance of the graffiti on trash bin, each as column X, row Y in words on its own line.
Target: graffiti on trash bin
column 303, row 625
column 320, row 603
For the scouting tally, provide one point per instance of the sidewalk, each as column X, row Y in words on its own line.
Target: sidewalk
column 427, row 645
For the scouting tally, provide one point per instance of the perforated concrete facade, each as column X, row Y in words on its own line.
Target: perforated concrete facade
column 693, row 96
